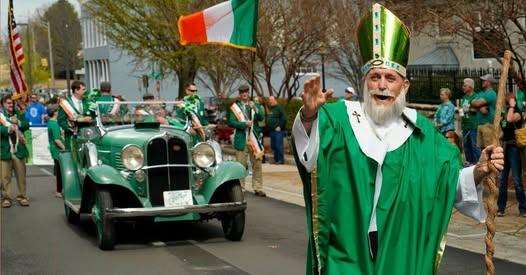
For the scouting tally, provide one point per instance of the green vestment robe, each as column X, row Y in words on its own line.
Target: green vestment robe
column 418, row 187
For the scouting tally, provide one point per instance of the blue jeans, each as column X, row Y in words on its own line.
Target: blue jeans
column 276, row 143
column 512, row 159
column 471, row 150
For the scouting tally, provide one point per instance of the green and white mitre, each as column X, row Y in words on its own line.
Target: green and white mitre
column 384, row 41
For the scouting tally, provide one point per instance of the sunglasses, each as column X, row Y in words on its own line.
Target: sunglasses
column 193, row 91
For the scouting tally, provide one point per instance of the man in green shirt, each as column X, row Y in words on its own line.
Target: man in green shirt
column 70, row 109
column 485, row 104
column 276, row 122
column 244, row 117
column 56, row 143
column 105, row 96
column 379, row 180
column 14, row 151
column 469, row 123
column 192, row 109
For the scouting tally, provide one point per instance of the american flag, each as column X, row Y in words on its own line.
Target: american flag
column 16, row 55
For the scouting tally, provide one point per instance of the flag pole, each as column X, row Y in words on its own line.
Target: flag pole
column 0, row 32
column 252, row 61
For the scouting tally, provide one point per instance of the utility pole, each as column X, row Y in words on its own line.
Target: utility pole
column 67, row 59
column 52, row 71
column 29, row 65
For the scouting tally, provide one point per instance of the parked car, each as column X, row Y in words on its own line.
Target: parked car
column 133, row 167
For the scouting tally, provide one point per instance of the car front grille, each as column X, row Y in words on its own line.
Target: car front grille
column 163, row 153
column 118, row 162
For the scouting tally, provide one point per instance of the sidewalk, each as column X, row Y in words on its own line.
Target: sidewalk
column 282, row 182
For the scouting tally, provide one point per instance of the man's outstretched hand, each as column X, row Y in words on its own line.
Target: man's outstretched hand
column 313, row 97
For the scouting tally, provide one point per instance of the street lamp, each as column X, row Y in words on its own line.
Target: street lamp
column 323, row 52
column 52, row 71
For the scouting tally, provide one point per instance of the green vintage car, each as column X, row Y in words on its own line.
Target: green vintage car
column 134, row 161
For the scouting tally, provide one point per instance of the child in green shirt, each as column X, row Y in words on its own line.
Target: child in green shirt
column 56, row 143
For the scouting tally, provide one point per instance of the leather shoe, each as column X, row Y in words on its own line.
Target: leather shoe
column 260, row 194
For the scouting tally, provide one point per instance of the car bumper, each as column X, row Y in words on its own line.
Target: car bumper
column 178, row 210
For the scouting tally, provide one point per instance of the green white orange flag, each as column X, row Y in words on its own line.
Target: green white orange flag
column 232, row 23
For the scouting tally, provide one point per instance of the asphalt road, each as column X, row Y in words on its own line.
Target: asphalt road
column 38, row 240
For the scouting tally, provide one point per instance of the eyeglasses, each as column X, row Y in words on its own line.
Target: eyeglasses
column 193, row 91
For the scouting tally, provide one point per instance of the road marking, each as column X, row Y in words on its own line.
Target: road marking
column 47, row 172
column 158, row 243
column 213, row 268
column 283, row 191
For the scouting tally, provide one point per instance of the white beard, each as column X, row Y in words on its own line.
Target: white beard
column 379, row 113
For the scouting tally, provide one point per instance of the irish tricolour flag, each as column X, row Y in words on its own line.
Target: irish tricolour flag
column 232, row 23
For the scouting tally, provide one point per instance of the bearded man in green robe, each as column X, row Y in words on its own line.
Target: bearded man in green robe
column 379, row 180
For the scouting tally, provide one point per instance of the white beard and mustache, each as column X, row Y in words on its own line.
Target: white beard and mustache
column 379, row 113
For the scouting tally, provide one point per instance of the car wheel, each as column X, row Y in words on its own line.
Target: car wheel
column 71, row 216
column 233, row 222
column 105, row 226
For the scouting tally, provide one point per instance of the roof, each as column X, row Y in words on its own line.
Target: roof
column 439, row 58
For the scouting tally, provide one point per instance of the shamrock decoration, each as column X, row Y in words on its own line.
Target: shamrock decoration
column 191, row 103
column 92, row 96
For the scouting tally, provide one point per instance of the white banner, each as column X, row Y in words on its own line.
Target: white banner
column 40, row 145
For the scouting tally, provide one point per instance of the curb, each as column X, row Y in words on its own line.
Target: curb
column 289, row 159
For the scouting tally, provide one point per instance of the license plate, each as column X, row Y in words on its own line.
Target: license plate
column 178, row 198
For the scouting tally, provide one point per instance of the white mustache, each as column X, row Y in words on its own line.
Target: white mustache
column 381, row 93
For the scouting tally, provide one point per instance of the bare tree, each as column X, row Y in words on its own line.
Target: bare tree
column 217, row 75
column 342, row 40
column 491, row 26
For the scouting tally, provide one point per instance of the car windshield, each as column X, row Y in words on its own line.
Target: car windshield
column 118, row 113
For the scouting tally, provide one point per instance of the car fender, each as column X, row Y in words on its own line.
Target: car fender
column 107, row 175
column 224, row 172
column 69, row 176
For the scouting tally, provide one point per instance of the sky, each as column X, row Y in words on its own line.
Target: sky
column 25, row 9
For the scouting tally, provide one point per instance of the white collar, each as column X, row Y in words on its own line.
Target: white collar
column 375, row 141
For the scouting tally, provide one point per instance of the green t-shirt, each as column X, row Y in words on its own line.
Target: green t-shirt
column 54, row 132
column 491, row 99
column 106, row 108
column 520, row 99
column 469, row 120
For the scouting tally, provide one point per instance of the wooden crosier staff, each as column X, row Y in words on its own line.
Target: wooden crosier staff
column 492, row 179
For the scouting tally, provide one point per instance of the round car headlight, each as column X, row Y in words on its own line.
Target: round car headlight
column 203, row 155
column 89, row 133
column 132, row 157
